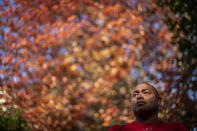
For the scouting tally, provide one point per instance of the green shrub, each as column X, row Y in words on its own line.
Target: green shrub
column 11, row 120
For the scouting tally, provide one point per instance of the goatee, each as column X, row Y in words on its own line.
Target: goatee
column 144, row 113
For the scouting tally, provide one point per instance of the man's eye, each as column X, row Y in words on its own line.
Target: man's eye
column 134, row 95
column 146, row 93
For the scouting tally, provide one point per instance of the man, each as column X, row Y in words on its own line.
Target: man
column 145, row 105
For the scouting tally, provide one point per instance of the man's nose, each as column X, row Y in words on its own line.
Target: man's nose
column 140, row 96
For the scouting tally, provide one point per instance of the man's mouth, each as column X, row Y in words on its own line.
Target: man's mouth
column 140, row 103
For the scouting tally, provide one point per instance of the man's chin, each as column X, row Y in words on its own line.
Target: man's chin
column 143, row 112
column 140, row 110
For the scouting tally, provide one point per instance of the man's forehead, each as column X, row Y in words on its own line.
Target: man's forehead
column 143, row 86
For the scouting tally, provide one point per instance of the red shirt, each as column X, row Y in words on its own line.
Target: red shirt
column 156, row 126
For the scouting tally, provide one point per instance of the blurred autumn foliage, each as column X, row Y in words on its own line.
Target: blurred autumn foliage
column 70, row 64
column 181, row 19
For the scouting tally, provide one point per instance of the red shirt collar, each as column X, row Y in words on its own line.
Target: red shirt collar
column 145, row 125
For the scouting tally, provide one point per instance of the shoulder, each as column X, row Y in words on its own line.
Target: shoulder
column 177, row 126
column 115, row 128
column 121, row 127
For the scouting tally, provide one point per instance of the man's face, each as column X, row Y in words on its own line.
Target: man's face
column 144, row 100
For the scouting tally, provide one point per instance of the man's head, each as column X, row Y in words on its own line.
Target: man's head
column 145, row 100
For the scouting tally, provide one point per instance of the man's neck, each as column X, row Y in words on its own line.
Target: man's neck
column 151, row 119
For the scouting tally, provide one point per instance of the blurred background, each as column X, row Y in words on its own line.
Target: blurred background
column 71, row 64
